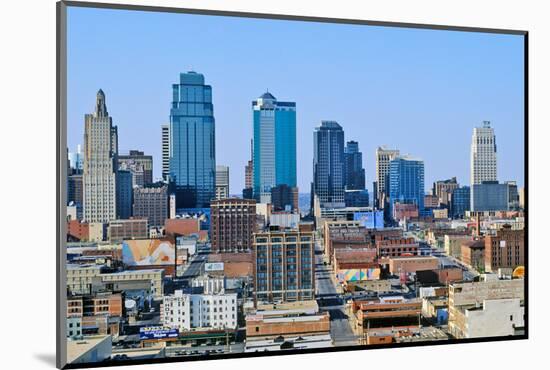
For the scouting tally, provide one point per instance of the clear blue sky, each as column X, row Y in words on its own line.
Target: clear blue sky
column 421, row 91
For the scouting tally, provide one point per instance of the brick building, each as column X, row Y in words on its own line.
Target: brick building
column 127, row 229
column 505, row 249
column 181, row 226
column 397, row 247
column 412, row 264
column 232, row 224
column 473, row 253
column 284, row 266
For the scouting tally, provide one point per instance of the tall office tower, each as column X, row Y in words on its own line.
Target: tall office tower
column 460, row 202
column 139, row 164
column 284, row 268
column 222, row 182
column 353, row 160
column 124, row 194
column 165, row 152
column 406, row 182
column 483, row 165
column 151, row 202
column 383, row 158
column 192, row 142
column 76, row 161
column 328, row 164
column 99, row 173
column 443, row 190
column 232, row 223
column 274, row 161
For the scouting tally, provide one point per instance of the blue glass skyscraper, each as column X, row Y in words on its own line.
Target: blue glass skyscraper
column 192, row 142
column 406, row 182
column 274, row 147
column 460, row 201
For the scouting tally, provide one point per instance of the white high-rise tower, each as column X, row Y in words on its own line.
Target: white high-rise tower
column 99, row 174
column 483, row 162
column 383, row 158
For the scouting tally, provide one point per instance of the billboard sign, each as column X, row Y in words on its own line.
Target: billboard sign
column 157, row 332
column 213, row 266
column 145, row 252
column 370, row 219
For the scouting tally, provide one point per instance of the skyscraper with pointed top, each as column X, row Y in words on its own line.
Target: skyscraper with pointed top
column 99, row 168
column 192, row 142
column 274, row 147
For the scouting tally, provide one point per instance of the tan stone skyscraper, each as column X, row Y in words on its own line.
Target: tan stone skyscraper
column 99, row 173
column 483, row 165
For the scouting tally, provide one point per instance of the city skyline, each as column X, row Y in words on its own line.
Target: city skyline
column 449, row 92
column 186, row 266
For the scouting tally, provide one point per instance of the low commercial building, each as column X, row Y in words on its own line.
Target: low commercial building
column 230, row 265
column 181, row 226
column 77, row 230
column 409, row 265
column 378, row 286
column 90, row 349
column 397, row 247
column 356, row 264
column 348, row 231
column 153, row 276
column 385, row 315
column 103, row 303
column 82, row 278
column 127, row 229
column 492, row 296
column 494, row 318
column 301, row 318
column 210, row 284
column 188, row 312
column 435, row 309
column 453, row 244
column 292, row 342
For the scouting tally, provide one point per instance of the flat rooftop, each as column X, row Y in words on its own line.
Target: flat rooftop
column 309, row 306
column 77, row 348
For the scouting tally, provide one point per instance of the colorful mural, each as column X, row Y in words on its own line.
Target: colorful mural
column 346, row 275
column 148, row 252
